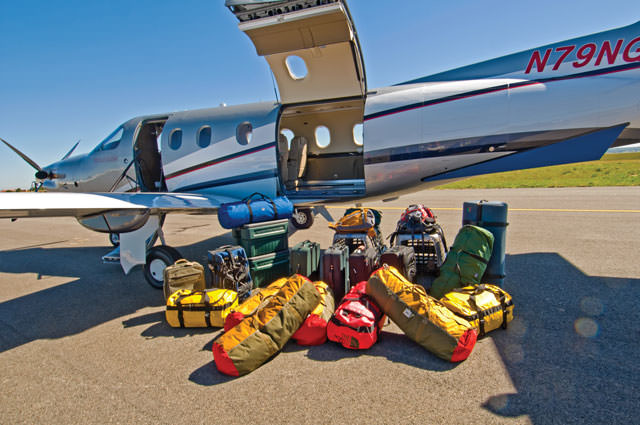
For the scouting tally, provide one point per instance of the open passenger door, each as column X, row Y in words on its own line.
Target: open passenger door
column 313, row 51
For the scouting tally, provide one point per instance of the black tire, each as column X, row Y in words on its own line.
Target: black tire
column 158, row 258
column 302, row 218
column 114, row 238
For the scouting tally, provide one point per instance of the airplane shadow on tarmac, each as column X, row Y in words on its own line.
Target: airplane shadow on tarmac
column 571, row 350
column 100, row 294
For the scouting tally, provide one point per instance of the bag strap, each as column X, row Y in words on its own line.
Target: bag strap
column 262, row 197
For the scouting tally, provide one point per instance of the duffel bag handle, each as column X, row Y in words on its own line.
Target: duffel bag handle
column 262, row 197
column 181, row 261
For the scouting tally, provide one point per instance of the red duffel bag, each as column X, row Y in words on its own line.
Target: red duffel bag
column 356, row 323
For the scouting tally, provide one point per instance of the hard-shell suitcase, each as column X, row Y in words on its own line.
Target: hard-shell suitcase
column 492, row 216
column 200, row 309
column 183, row 274
column 305, row 259
column 486, row 307
column 334, row 270
column 262, row 238
column 466, row 261
column 403, row 258
column 229, row 268
column 362, row 262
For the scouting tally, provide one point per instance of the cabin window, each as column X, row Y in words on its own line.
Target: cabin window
column 175, row 139
column 358, row 134
column 244, row 132
column 297, row 67
column 113, row 140
column 204, row 136
column 323, row 136
column 288, row 134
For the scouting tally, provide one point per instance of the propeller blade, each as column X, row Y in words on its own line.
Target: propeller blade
column 71, row 151
column 23, row 156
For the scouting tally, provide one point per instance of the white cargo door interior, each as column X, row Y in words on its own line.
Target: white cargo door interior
column 323, row 38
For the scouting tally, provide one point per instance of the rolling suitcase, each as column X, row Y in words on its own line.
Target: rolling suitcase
column 335, row 269
column 183, row 274
column 403, row 258
column 305, row 259
column 362, row 262
column 229, row 268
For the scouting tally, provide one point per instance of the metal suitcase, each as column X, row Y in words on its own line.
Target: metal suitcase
column 334, row 270
column 305, row 259
column 362, row 262
column 403, row 258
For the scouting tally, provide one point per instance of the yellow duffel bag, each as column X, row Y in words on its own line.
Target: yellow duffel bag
column 486, row 307
column 422, row 318
column 200, row 309
column 261, row 335
column 253, row 303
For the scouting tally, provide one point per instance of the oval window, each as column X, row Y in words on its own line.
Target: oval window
column 358, row 134
column 288, row 134
column 244, row 131
column 297, row 67
column 323, row 136
column 204, row 137
column 175, row 140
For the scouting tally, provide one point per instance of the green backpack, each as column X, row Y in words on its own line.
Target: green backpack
column 466, row 261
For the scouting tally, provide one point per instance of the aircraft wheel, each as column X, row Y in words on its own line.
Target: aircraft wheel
column 302, row 218
column 158, row 258
column 114, row 238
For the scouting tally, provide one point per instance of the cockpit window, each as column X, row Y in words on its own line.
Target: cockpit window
column 112, row 141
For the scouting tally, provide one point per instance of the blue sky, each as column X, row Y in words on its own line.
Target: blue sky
column 77, row 69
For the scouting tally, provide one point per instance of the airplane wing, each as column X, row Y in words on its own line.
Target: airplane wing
column 56, row 204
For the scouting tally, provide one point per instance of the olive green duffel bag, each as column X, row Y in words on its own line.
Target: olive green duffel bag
column 466, row 261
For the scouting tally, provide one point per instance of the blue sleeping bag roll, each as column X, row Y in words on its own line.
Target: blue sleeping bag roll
column 254, row 209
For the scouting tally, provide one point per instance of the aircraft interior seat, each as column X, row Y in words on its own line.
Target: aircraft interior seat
column 297, row 163
column 283, row 156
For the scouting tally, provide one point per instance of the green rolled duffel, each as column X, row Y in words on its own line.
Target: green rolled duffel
column 466, row 261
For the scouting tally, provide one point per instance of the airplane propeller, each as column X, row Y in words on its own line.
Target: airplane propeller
column 68, row 154
column 40, row 173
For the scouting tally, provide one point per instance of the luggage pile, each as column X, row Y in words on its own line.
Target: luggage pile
column 266, row 293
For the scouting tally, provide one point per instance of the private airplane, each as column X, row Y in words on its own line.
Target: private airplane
column 330, row 138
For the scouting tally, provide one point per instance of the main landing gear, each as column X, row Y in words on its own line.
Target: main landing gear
column 158, row 258
column 302, row 218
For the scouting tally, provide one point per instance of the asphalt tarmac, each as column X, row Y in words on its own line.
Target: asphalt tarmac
column 82, row 343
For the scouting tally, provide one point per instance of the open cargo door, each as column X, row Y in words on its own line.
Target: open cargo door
column 313, row 51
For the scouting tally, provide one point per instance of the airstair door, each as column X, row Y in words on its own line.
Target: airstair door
column 311, row 46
